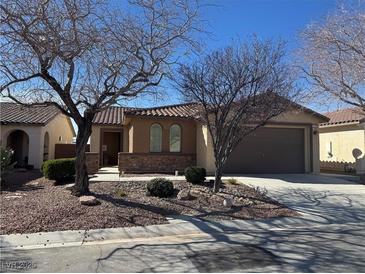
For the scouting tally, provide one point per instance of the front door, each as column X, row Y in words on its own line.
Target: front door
column 111, row 148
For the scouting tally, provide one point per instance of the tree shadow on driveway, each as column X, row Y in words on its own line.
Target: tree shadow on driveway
column 332, row 240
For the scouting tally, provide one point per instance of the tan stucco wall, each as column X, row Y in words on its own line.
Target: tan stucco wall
column 297, row 117
column 344, row 140
column 59, row 126
column 35, row 151
column 95, row 136
column 205, row 154
column 139, row 133
column 60, row 131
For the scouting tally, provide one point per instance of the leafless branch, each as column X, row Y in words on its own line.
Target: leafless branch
column 81, row 56
column 333, row 56
column 238, row 89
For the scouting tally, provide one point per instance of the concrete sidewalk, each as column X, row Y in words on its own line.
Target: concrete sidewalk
column 323, row 248
column 179, row 225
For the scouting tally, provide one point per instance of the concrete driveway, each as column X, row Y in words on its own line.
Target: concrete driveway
column 328, row 237
column 322, row 198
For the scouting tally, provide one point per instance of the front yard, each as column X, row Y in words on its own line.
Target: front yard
column 35, row 204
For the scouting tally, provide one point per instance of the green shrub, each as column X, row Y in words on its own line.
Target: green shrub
column 160, row 187
column 59, row 169
column 6, row 156
column 195, row 174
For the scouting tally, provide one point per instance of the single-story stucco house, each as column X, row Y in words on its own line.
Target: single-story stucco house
column 33, row 132
column 170, row 138
column 342, row 141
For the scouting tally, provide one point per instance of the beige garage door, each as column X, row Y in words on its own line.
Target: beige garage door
column 269, row 150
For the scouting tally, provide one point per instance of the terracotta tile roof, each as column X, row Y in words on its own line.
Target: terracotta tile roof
column 187, row 110
column 12, row 113
column 343, row 116
column 110, row 116
column 115, row 115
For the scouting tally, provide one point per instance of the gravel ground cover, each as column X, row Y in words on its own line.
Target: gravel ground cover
column 32, row 203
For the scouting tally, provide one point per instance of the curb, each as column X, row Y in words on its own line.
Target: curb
column 177, row 226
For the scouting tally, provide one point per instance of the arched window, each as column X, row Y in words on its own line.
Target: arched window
column 155, row 138
column 175, row 138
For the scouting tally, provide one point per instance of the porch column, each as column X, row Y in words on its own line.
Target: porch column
column 35, row 156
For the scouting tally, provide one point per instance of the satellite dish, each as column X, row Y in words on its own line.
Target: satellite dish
column 356, row 153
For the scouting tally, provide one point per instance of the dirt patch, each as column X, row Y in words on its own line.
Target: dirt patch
column 39, row 205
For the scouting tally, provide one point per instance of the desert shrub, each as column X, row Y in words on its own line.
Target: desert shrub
column 120, row 193
column 6, row 155
column 160, row 187
column 195, row 174
column 59, row 169
column 232, row 181
column 6, row 162
column 260, row 191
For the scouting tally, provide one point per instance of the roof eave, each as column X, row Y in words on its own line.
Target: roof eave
column 327, row 125
column 4, row 123
column 157, row 116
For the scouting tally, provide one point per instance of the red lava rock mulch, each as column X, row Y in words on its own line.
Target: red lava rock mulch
column 38, row 205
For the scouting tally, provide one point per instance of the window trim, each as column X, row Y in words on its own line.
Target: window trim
column 150, row 136
column 180, row 147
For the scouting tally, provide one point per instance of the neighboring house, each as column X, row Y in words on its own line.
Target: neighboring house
column 170, row 138
column 33, row 132
column 342, row 141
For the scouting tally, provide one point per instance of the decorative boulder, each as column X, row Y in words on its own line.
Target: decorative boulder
column 227, row 202
column 184, row 195
column 69, row 186
column 89, row 200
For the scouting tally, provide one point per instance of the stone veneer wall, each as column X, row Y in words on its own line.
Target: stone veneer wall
column 92, row 162
column 154, row 162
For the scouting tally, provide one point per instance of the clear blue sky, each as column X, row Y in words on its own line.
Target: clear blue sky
column 266, row 18
column 229, row 20
column 232, row 20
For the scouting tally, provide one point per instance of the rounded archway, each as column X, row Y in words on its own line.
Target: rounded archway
column 18, row 141
column 46, row 147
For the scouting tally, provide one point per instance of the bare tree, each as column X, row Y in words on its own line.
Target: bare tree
column 334, row 55
column 81, row 56
column 238, row 90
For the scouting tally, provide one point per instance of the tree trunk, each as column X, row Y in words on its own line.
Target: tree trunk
column 218, row 179
column 81, row 179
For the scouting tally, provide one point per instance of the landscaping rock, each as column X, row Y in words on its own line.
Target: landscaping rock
column 89, row 200
column 184, row 195
column 12, row 197
column 69, row 186
column 227, row 202
column 245, row 202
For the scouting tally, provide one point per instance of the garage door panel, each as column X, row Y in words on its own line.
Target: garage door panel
column 269, row 150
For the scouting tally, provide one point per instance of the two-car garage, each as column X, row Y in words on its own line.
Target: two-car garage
column 289, row 143
column 269, row 150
